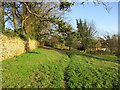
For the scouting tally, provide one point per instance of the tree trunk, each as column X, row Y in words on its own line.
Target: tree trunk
column 14, row 17
column 27, row 48
column 3, row 21
column 69, row 48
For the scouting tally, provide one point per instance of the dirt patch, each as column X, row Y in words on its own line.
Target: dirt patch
column 45, row 47
column 50, row 48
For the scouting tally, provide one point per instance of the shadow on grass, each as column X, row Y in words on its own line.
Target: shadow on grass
column 34, row 52
column 73, row 52
column 103, row 59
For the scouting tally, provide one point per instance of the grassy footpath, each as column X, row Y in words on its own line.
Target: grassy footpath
column 44, row 68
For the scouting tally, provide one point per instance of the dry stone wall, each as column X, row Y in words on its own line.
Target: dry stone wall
column 12, row 46
column 33, row 44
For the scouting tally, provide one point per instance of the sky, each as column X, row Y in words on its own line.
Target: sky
column 119, row 18
column 105, row 22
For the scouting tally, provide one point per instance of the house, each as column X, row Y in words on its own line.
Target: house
column 99, row 46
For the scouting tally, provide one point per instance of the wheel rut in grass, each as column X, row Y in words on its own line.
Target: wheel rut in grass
column 65, row 74
column 65, row 78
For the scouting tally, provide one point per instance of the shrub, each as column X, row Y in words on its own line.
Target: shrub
column 99, row 52
column 10, row 33
column 23, row 37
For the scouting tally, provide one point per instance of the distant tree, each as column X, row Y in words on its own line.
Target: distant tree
column 69, row 41
column 118, row 51
column 76, row 41
column 115, row 43
column 111, row 43
column 65, row 33
column 93, row 43
column 85, row 33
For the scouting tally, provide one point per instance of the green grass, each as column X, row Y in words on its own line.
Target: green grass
column 44, row 68
column 84, row 72
column 22, row 69
column 90, row 71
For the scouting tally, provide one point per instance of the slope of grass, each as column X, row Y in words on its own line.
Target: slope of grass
column 90, row 71
column 84, row 72
column 98, row 57
column 23, row 68
column 44, row 68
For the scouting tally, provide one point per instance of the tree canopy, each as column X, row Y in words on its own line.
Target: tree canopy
column 44, row 21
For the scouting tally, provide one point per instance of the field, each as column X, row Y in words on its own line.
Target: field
column 43, row 68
